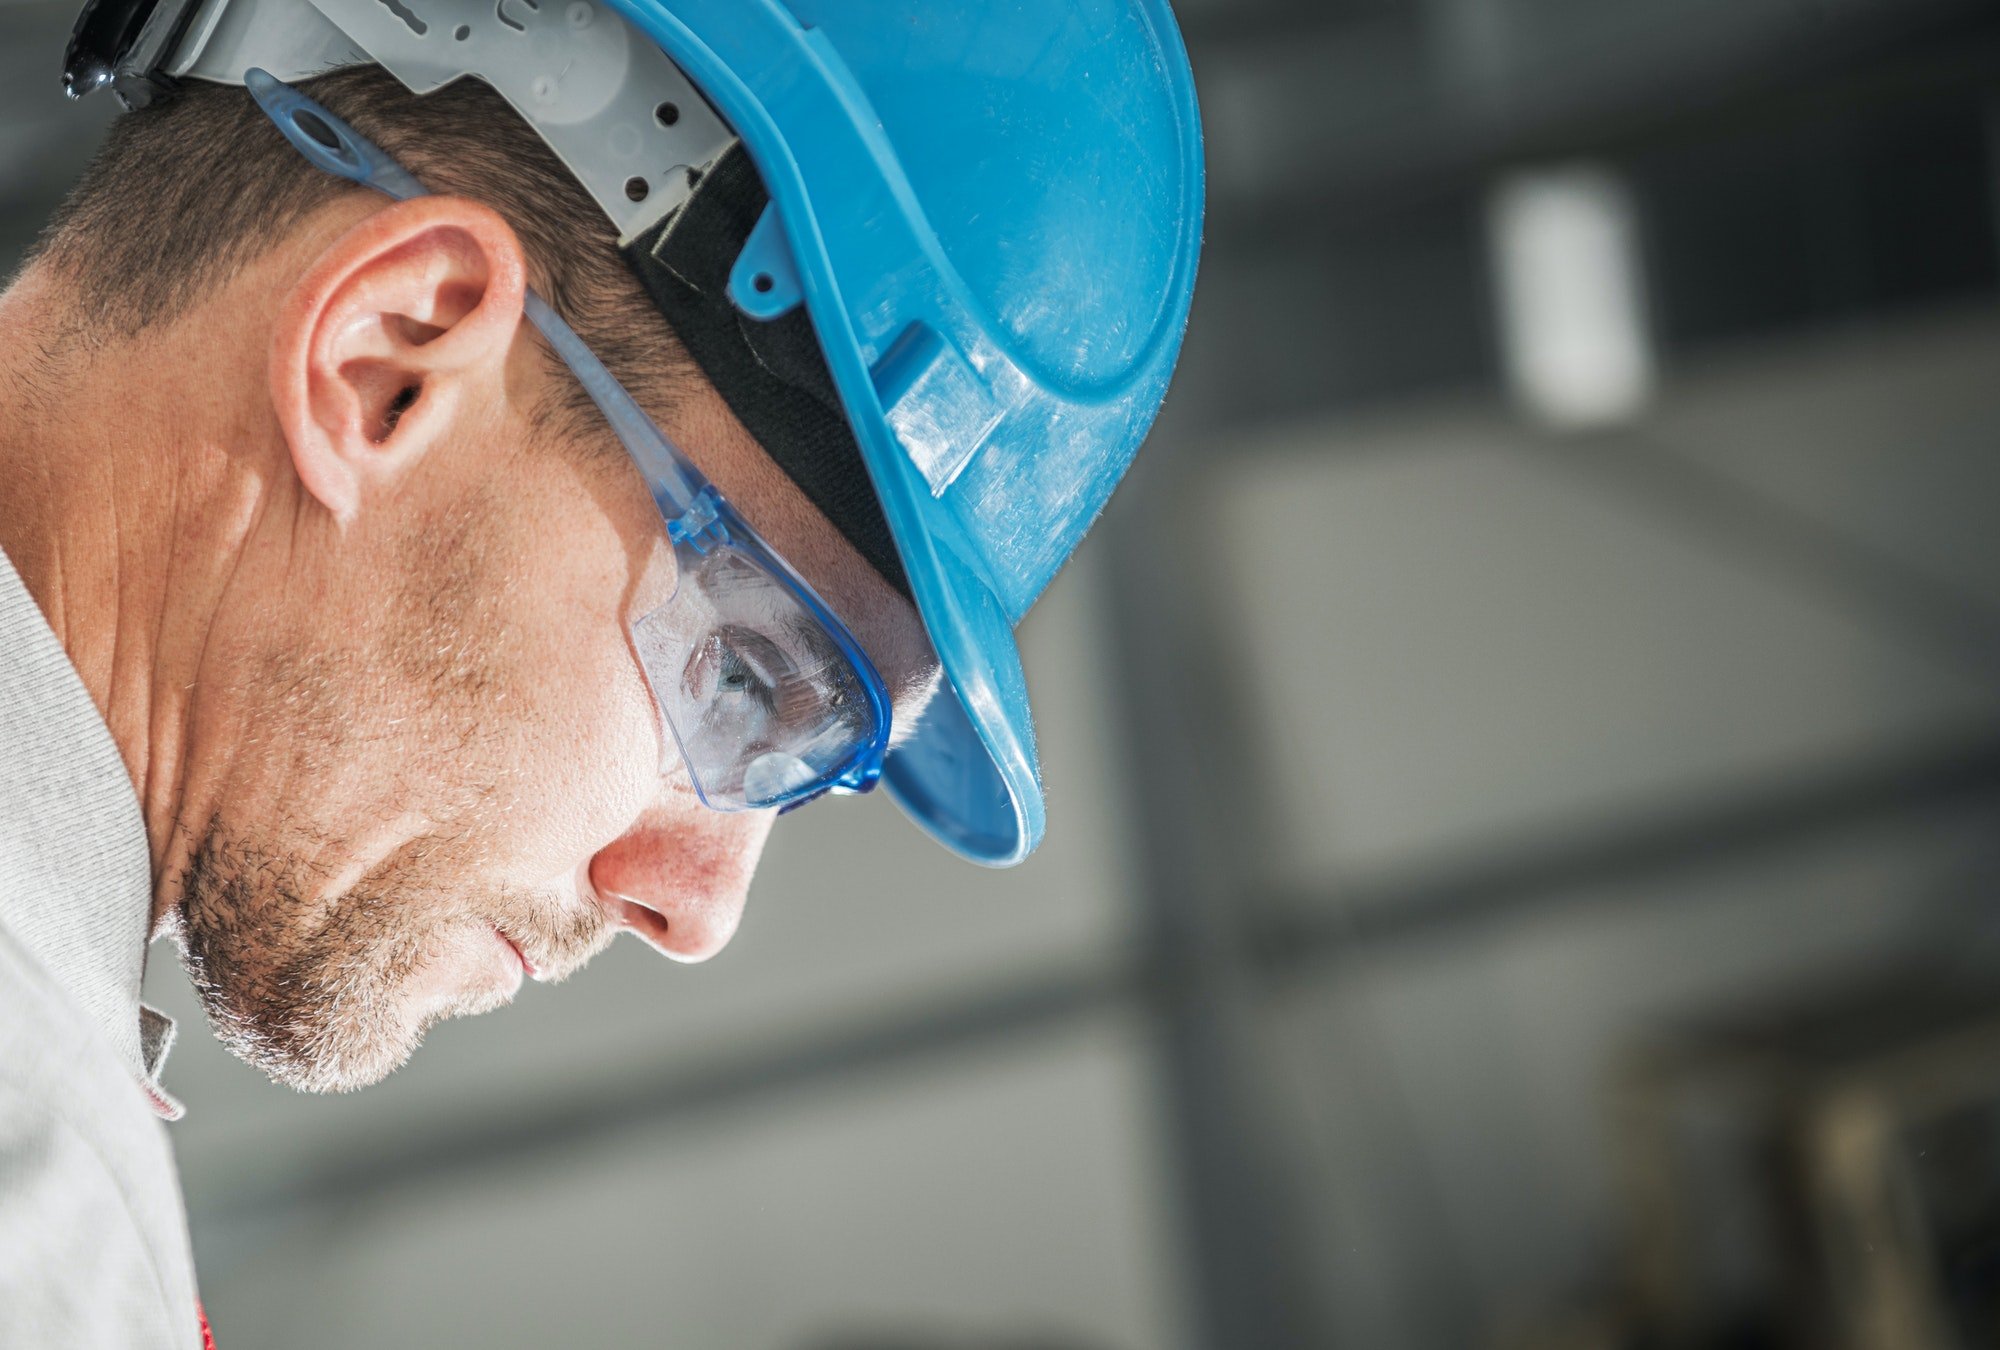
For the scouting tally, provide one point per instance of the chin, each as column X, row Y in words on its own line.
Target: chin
column 348, row 1043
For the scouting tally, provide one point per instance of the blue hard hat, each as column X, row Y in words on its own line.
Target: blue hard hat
column 992, row 214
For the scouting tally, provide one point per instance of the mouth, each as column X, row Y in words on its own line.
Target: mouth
column 527, row 967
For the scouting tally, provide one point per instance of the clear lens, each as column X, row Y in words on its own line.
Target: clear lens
column 764, row 703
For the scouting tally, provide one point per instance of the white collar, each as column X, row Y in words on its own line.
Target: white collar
column 76, row 875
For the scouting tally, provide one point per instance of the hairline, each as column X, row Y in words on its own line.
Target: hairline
column 229, row 188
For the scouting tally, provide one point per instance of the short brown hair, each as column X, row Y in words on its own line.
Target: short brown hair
column 185, row 191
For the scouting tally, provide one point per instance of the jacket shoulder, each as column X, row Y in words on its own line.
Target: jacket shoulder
column 93, row 1234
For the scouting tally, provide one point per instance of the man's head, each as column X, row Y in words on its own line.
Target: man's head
column 395, row 744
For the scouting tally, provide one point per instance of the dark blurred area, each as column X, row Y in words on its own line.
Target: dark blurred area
column 1524, row 770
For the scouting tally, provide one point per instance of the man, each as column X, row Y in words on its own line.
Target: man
column 359, row 631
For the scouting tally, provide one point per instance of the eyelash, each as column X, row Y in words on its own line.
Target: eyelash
column 756, row 687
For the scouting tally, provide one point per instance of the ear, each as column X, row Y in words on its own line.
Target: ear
column 398, row 330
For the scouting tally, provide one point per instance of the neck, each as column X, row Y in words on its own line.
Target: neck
column 124, row 512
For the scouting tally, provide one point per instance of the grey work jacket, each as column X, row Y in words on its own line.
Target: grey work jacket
column 93, row 1234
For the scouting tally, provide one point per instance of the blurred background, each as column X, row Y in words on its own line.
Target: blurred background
column 1524, row 764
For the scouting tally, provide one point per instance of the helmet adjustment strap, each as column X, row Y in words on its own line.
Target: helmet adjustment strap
column 639, row 137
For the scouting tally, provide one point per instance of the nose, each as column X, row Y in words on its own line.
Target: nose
column 680, row 876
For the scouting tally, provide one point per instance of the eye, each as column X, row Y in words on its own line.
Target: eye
column 736, row 674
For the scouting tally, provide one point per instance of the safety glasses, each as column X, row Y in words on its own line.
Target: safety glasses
column 769, row 698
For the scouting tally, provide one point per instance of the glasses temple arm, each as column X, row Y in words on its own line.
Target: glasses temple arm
column 663, row 465
column 332, row 145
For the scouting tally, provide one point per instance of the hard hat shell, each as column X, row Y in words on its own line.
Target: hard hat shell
column 992, row 211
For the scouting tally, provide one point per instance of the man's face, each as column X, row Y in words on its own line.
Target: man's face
column 431, row 764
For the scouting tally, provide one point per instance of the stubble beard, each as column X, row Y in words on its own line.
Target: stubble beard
column 317, row 992
column 317, row 982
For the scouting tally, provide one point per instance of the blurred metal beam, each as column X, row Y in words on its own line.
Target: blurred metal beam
column 1304, row 931
column 1879, row 588
column 1220, row 27
column 1243, row 1221
column 1366, row 115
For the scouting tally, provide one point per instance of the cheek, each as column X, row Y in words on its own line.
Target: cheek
column 572, row 730
column 585, row 750
column 587, row 764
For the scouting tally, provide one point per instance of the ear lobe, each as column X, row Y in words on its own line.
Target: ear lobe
column 399, row 330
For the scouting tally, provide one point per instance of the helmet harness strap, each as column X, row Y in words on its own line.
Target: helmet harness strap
column 644, row 144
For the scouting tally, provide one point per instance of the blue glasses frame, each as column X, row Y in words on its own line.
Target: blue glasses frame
column 696, row 515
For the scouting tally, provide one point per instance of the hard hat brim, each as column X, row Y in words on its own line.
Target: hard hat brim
column 990, row 455
column 969, row 775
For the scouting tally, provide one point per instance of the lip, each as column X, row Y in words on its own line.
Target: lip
column 527, row 966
